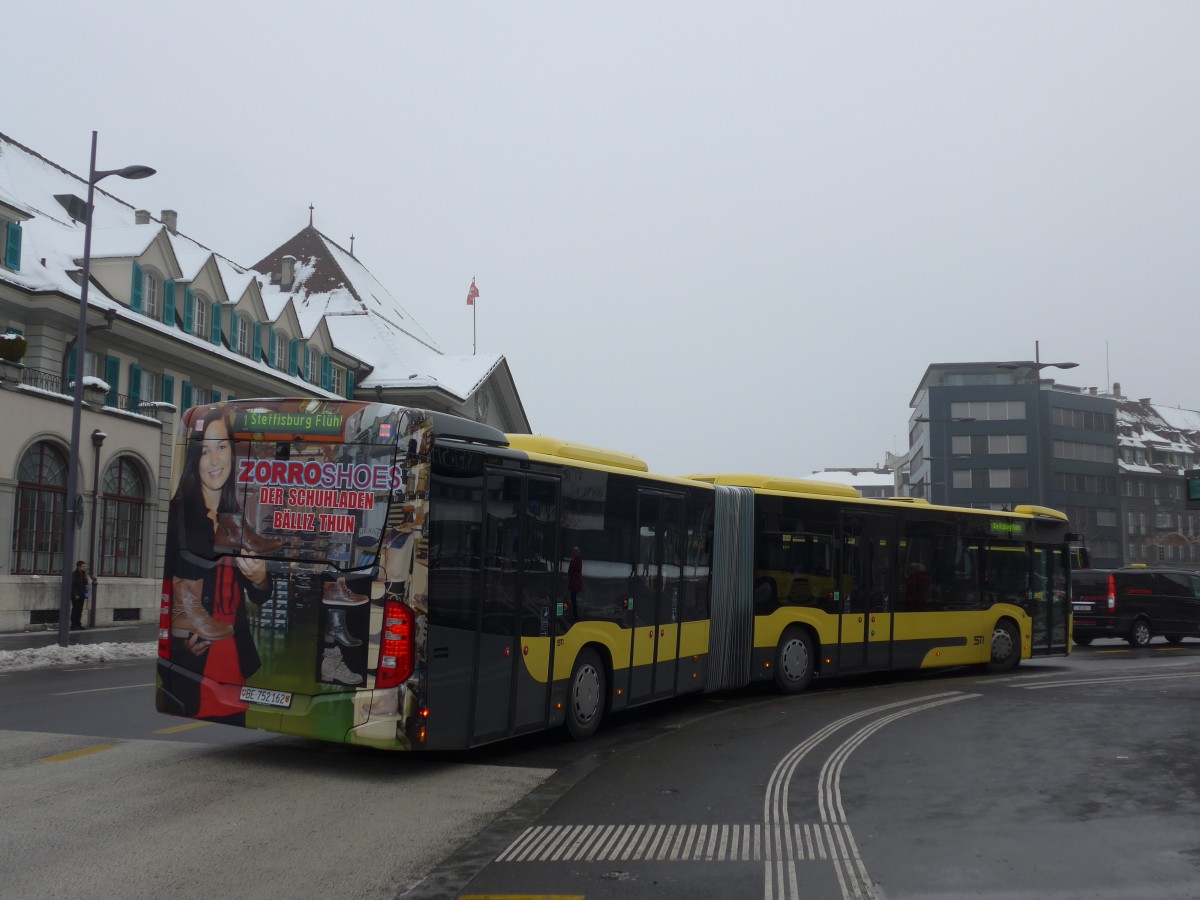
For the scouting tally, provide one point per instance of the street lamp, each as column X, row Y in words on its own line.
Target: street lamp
column 1036, row 367
column 74, row 513
column 946, row 455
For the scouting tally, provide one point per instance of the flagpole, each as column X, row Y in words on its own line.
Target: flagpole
column 472, row 296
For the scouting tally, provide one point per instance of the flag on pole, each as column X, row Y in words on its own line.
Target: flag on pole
column 472, row 293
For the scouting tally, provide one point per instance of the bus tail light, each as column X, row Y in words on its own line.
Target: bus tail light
column 164, row 621
column 397, row 645
column 1112, row 594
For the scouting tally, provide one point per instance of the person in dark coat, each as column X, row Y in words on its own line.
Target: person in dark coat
column 79, row 594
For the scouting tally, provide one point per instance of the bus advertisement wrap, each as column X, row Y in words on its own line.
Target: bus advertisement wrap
column 295, row 533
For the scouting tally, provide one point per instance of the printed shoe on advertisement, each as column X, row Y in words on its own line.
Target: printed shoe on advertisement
column 333, row 668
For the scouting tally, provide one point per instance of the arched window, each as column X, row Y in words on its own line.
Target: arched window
column 41, row 503
column 122, row 515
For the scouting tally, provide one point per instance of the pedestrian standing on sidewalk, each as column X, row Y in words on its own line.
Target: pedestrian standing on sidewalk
column 79, row 594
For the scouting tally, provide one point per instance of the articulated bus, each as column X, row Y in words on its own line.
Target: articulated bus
column 372, row 574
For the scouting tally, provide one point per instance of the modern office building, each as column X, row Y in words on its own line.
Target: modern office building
column 1000, row 434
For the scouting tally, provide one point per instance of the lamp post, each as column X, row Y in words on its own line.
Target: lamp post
column 98, row 437
column 74, row 512
column 946, row 455
column 1036, row 367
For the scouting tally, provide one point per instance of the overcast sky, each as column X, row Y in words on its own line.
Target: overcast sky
column 724, row 237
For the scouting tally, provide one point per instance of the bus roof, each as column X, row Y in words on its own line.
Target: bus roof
column 548, row 446
column 785, row 485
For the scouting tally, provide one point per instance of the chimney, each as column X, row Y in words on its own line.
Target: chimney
column 170, row 218
column 289, row 273
column 1092, row 391
column 142, row 217
column 1116, row 389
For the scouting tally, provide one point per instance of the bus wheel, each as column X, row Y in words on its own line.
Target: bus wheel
column 1139, row 634
column 1006, row 647
column 1174, row 638
column 1083, row 641
column 585, row 697
column 793, row 661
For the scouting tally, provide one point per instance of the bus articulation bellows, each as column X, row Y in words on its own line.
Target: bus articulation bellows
column 373, row 574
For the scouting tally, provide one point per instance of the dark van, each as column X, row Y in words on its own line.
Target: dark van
column 1135, row 603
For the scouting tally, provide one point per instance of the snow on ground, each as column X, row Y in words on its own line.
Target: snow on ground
column 40, row 657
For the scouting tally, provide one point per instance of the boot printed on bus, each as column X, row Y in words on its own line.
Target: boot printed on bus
column 234, row 534
column 338, row 593
column 335, row 630
column 188, row 615
column 334, row 668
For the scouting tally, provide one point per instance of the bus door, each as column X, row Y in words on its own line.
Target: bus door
column 520, row 552
column 867, row 583
column 657, row 595
column 1048, row 603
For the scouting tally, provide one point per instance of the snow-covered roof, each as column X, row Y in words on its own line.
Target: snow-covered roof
column 364, row 318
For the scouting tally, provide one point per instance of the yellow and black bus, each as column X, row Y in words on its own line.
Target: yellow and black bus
column 373, row 574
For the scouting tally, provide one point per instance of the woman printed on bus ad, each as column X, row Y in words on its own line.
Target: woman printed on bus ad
column 210, row 629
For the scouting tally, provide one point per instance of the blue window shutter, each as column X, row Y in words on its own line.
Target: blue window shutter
column 349, row 384
column 168, row 389
column 307, row 356
column 234, row 322
column 271, row 347
column 135, row 290
column 135, row 385
column 112, row 374
column 214, row 332
column 168, row 302
column 326, row 371
column 70, row 367
column 12, row 247
column 293, row 356
column 189, row 310
column 257, row 351
column 216, row 396
column 185, row 395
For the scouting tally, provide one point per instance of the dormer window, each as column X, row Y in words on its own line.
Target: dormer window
column 200, row 316
column 243, row 335
column 151, row 296
column 281, row 348
column 310, row 365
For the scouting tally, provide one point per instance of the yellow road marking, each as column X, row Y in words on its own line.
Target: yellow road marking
column 175, row 729
column 75, row 754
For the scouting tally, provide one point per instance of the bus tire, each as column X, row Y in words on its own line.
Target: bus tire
column 794, row 661
column 1082, row 641
column 585, row 696
column 1140, row 634
column 1174, row 638
column 1006, row 647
